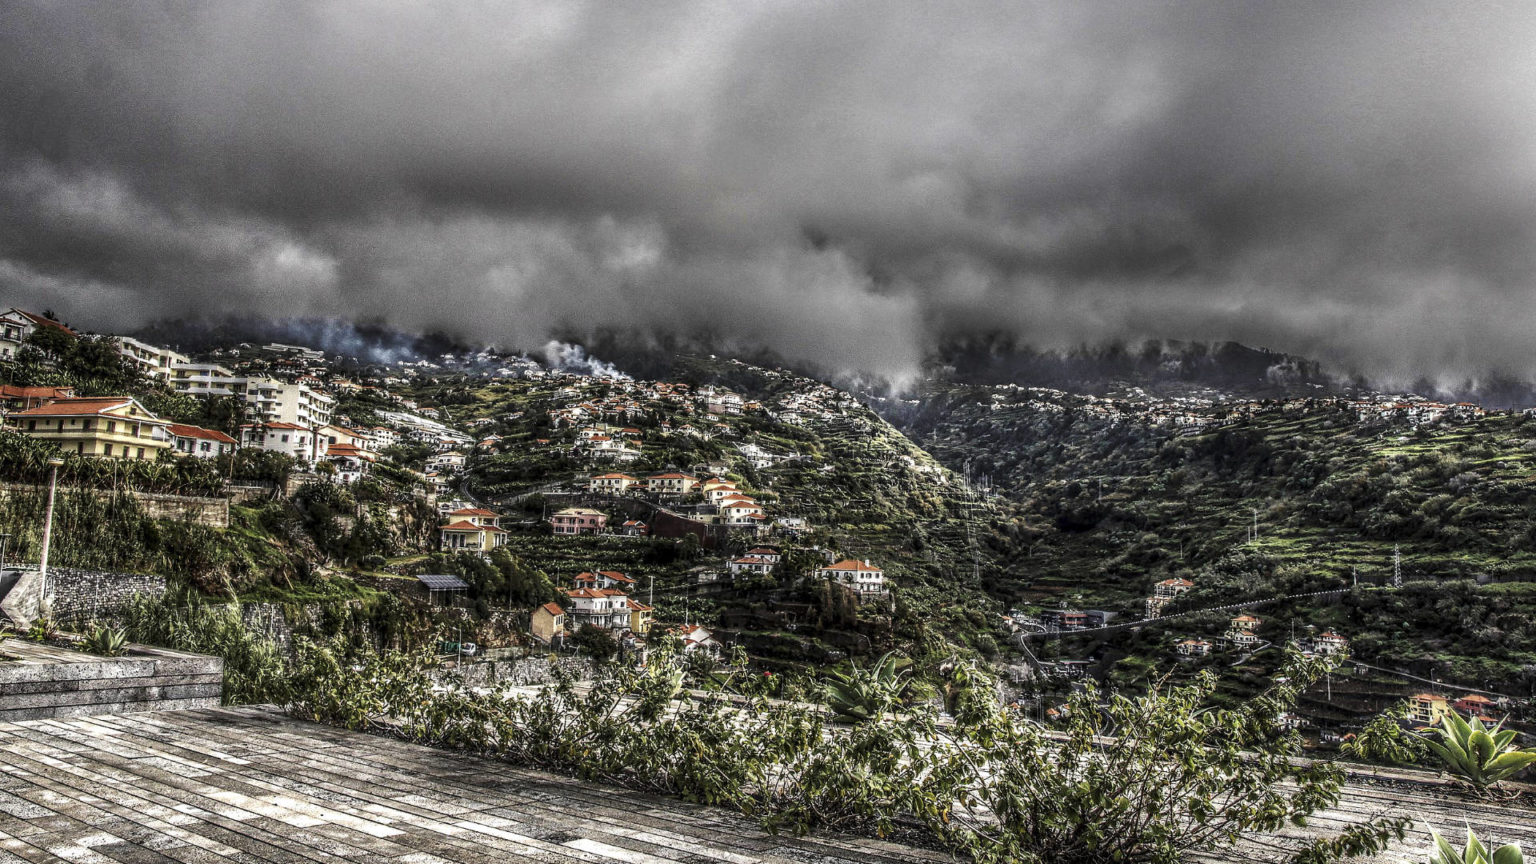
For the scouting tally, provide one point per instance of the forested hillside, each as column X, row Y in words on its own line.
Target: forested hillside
column 1111, row 501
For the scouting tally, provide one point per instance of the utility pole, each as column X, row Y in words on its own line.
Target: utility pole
column 1255, row 537
column 53, row 484
column 1397, row 566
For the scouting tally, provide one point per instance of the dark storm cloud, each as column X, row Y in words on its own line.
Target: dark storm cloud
column 843, row 182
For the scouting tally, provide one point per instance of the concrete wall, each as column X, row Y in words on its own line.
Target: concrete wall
column 39, row 681
column 81, row 594
column 213, row 512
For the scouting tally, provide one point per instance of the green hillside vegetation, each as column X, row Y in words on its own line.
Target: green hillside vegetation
column 867, row 489
column 1105, row 509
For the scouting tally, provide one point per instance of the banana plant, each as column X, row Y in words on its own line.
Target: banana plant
column 1473, row 853
column 1476, row 755
column 861, row 695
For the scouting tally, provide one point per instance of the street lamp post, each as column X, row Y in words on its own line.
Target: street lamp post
column 53, row 484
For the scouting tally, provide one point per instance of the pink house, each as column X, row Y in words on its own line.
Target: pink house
column 578, row 520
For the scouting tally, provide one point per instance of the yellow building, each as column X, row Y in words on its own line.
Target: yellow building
column 548, row 622
column 116, row 426
column 639, row 616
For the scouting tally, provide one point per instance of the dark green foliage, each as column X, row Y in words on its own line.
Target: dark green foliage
column 25, row 460
column 595, row 642
column 255, row 671
column 1141, row 781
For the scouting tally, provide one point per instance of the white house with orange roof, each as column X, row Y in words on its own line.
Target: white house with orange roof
column 1193, row 648
column 607, row 608
column 604, row 579
column 862, row 576
column 611, row 484
column 200, row 443
column 351, row 463
column 472, row 529
column 741, row 511
column 715, row 490
column 16, row 325
column 750, row 565
column 1166, row 592
column 1241, row 631
column 671, row 484
column 1330, row 644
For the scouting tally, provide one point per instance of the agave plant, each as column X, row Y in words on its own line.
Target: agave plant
column 1479, row 756
column 107, row 642
column 864, row 694
column 1474, row 852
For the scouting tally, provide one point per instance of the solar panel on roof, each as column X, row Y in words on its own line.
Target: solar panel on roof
column 442, row 582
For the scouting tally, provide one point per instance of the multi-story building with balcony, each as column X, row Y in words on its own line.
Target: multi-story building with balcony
column 276, row 402
column 206, row 380
column 152, row 360
column 116, row 426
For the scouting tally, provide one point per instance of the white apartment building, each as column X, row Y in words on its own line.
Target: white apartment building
column 205, row 380
column 152, row 360
column 276, row 402
column 286, row 438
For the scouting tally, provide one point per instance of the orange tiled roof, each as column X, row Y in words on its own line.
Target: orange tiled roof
column 182, row 430
column 76, row 406
column 857, row 566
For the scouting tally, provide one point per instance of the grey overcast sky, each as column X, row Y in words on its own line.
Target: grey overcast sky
column 841, row 181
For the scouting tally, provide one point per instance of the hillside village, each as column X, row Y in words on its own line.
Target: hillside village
column 723, row 471
column 587, row 479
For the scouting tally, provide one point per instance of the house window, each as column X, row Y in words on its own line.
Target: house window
column 107, row 450
column 31, row 425
column 141, row 452
column 285, row 439
column 111, row 426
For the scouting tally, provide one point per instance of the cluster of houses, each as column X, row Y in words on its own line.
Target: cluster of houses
column 719, row 501
column 1427, row 709
column 598, row 599
column 294, row 416
column 1193, row 414
column 865, row 580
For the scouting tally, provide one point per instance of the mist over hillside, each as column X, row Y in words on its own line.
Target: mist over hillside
column 1161, row 367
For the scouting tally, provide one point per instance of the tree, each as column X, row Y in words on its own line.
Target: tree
column 596, row 642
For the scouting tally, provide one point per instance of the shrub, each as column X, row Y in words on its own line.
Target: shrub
column 1479, row 757
column 107, row 642
column 1141, row 781
column 1474, row 852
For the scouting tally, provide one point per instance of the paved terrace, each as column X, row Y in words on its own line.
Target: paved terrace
column 250, row 785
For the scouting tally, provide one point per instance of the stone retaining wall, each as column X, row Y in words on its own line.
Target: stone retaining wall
column 213, row 512
column 83, row 594
column 39, row 681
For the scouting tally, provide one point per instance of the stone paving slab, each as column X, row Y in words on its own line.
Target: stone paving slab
column 252, row 785
column 39, row 681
